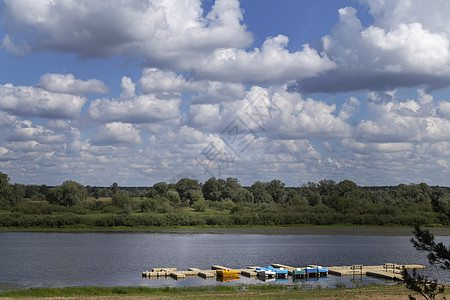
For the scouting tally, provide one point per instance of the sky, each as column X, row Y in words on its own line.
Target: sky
column 142, row 91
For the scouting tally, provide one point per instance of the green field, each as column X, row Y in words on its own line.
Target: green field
column 229, row 292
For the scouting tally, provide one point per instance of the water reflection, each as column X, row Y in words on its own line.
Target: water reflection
column 227, row 278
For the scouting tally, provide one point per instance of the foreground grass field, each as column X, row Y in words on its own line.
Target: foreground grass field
column 229, row 292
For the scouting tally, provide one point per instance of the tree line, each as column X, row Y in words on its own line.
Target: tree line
column 221, row 202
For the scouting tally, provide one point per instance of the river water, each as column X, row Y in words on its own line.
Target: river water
column 118, row 259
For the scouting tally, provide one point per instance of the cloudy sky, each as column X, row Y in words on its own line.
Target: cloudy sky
column 141, row 91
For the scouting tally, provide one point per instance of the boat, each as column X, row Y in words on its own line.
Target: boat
column 227, row 272
column 281, row 272
column 266, row 272
column 323, row 272
column 299, row 273
column 311, row 271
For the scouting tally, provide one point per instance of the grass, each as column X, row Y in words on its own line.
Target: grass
column 214, row 292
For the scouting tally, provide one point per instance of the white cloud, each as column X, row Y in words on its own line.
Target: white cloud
column 217, row 91
column 117, row 133
column 396, row 51
column 443, row 109
column 26, row 131
column 157, row 81
column 31, row 101
column 68, row 84
column 273, row 63
column 171, row 31
column 135, row 109
column 167, row 34
column 349, row 108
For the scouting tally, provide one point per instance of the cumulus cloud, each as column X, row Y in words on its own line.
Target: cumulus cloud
column 396, row 51
column 68, row 84
column 154, row 80
column 166, row 34
column 25, row 131
column 132, row 108
column 239, row 65
column 275, row 113
column 117, row 133
column 403, row 120
column 32, row 101
column 156, row 30
column 216, row 92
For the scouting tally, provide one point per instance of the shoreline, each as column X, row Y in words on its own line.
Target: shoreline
column 260, row 230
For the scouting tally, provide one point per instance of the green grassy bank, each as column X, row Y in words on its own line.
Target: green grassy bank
column 230, row 292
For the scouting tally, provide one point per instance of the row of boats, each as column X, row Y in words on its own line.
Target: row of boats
column 271, row 272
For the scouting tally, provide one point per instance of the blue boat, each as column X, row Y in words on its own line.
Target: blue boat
column 280, row 273
column 266, row 272
column 311, row 272
column 323, row 272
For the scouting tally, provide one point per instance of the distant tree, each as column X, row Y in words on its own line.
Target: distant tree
column 242, row 195
column 186, row 186
column 120, row 200
column 293, row 198
column 276, row 189
column 5, row 189
column 17, row 194
column 114, row 188
column 198, row 203
column 210, row 190
column 70, row 193
column 173, row 196
column 230, row 188
column 161, row 188
column 260, row 193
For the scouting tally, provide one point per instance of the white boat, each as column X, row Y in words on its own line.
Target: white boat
column 265, row 272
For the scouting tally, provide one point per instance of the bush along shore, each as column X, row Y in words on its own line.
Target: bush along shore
column 219, row 203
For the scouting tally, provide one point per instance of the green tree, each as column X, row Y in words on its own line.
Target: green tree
column 242, row 195
column 161, row 188
column 198, row 203
column 120, row 200
column 210, row 190
column 438, row 254
column 186, row 186
column 276, row 189
column 173, row 196
column 5, row 189
column 17, row 194
column 260, row 193
column 114, row 188
column 70, row 193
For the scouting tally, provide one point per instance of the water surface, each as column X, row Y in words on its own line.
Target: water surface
column 118, row 259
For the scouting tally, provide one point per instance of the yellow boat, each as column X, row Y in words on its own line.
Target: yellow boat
column 227, row 272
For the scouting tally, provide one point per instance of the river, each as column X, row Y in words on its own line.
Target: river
column 118, row 259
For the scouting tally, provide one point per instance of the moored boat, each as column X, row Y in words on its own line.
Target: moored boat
column 227, row 272
column 266, row 272
column 323, row 272
column 299, row 273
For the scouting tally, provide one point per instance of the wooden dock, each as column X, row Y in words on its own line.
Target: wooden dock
column 388, row 271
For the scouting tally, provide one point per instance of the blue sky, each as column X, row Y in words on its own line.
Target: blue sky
column 137, row 92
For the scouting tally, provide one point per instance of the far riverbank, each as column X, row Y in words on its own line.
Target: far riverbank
column 301, row 230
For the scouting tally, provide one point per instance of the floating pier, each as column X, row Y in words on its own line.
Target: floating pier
column 388, row 271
